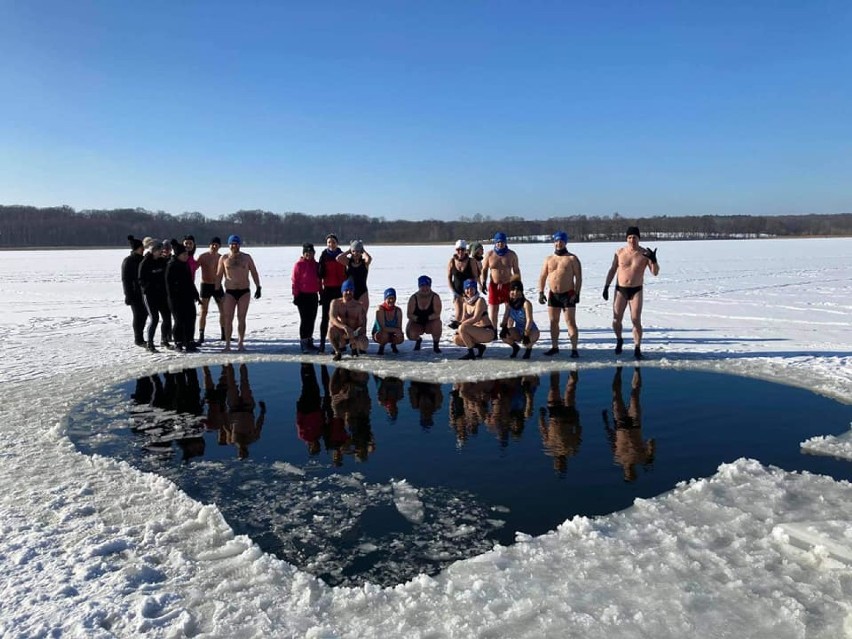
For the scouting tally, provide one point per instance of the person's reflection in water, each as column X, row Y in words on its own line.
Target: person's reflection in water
column 188, row 392
column 426, row 398
column 469, row 409
column 144, row 392
column 351, row 405
column 625, row 439
column 241, row 427
column 498, row 419
column 523, row 403
column 309, row 414
column 559, row 424
column 390, row 391
column 215, row 396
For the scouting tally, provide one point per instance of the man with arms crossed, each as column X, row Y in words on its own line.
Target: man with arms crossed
column 211, row 286
column 501, row 263
column 563, row 275
column 630, row 263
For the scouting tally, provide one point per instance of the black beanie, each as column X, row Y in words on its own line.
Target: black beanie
column 177, row 247
column 134, row 243
column 633, row 230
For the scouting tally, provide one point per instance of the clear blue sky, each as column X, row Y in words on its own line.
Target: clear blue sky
column 428, row 109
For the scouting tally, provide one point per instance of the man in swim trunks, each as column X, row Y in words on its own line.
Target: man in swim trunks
column 498, row 267
column 211, row 286
column 630, row 263
column 347, row 323
column 563, row 275
column 235, row 267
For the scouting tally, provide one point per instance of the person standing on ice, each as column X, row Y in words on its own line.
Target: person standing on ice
column 629, row 263
column 132, row 290
column 461, row 267
column 424, row 315
column 152, row 280
column 332, row 275
column 498, row 267
column 235, row 268
column 211, row 286
column 183, row 296
column 476, row 328
column 306, row 286
column 563, row 275
column 357, row 262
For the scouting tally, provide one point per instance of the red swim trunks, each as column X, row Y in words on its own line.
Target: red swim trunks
column 498, row 293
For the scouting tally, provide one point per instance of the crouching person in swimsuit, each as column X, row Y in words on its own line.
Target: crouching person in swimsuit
column 387, row 327
column 235, row 267
column 518, row 326
column 630, row 263
column 347, row 323
column 424, row 314
column 475, row 329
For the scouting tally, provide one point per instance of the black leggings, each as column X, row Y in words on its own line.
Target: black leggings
column 326, row 297
column 140, row 316
column 307, row 305
column 158, row 307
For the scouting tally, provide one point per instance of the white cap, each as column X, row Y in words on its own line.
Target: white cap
column 461, row 244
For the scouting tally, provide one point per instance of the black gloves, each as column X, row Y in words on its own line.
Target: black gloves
column 525, row 340
column 453, row 324
column 503, row 332
column 541, row 298
column 606, row 292
column 575, row 298
column 257, row 293
column 651, row 255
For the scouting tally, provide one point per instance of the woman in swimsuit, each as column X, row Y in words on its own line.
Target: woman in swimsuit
column 424, row 314
column 475, row 329
column 357, row 262
column 387, row 327
column 518, row 326
column 461, row 267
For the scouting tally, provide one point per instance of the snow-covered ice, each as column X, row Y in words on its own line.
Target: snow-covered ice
column 92, row 547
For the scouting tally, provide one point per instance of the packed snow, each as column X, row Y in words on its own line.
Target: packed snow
column 91, row 547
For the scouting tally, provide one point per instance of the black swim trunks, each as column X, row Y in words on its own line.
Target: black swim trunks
column 567, row 299
column 237, row 293
column 628, row 291
column 210, row 290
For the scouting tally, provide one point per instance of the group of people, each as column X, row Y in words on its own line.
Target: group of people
column 334, row 285
column 159, row 276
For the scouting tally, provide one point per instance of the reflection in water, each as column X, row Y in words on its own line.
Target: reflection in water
column 625, row 439
column 230, row 409
column 512, row 402
column 391, row 391
column 468, row 408
column 310, row 419
column 168, row 412
column 559, row 424
column 426, row 399
column 350, row 431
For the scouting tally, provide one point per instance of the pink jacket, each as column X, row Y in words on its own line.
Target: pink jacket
column 305, row 277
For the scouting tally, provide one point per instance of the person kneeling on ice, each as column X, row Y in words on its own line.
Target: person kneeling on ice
column 347, row 323
column 424, row 314
column 387, row 327
column 475, row 329
column 518, row 325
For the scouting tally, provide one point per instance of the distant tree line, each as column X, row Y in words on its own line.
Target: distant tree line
column 28, row 226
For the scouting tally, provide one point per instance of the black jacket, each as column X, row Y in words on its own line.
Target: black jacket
column 180, row 286
column 130, row 275
column 152, row 277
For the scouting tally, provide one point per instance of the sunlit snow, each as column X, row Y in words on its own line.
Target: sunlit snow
column 93, row 547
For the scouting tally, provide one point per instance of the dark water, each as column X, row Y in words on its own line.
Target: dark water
column 357, row 478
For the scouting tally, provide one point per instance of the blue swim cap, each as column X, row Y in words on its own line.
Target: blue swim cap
column 234, row 239
column 499, row 237
column 424, row 280
column 560, row 236
column 470, row 284
column 347, row 285
column 390, row 292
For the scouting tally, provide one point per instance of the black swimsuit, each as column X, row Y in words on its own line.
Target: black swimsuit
column 358, row 275
column 628, row 291
column 422, row 314
column 237, row 293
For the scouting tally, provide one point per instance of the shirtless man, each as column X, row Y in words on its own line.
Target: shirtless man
column 500, row 263
column 235, row 267
column 630, row 263
column 211, row 286
column 347, row 323
column 563, row 275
